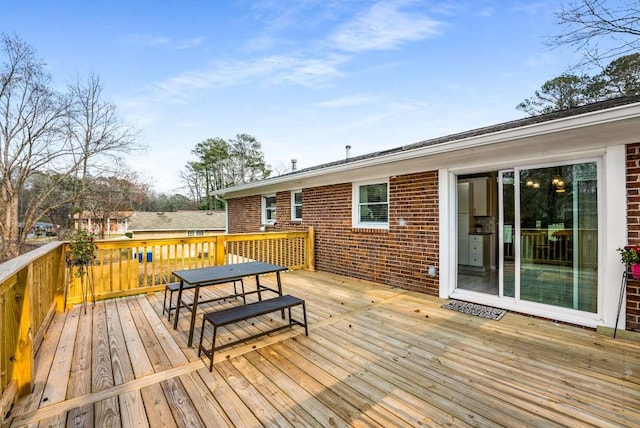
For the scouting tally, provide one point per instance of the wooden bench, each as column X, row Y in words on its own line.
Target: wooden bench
column 172, row 287
column 240, row 313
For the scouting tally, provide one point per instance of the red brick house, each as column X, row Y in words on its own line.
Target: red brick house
column 525, row 215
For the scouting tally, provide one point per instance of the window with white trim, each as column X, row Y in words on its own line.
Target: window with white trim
column 269, row 209
column 195, row 232
column 371, row 204
column 296, row 205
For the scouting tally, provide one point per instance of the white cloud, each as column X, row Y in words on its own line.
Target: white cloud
column 272, row 70
column 355, row 100
column 384, row 26
column 535, row 8
column 486, row 13
column 160, row 41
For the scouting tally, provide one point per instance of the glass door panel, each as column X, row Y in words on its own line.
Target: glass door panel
column 507, row 236
column 558, row 219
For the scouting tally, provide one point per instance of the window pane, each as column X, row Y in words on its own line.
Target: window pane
column 296, row 206
column 559, row 236
column 377, row 213
column 373, row 206
column 270, row 208
column 373, row 193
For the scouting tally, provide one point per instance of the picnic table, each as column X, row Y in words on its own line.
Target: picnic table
column 214, row 275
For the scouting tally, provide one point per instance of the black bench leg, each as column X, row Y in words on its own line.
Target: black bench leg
column 201, row 337
column 304, row 314
column 213, row 346
column 164, row 303
column 166, row 308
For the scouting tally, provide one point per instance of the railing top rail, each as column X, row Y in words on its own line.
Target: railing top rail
column 10, row 267
column 140, row 242
column 266, row 235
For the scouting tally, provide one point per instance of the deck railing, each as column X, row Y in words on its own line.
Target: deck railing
column 32, row 286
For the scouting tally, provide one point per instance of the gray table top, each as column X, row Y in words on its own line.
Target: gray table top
column 226, row 273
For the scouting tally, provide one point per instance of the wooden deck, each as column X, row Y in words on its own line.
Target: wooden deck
column 374, row 356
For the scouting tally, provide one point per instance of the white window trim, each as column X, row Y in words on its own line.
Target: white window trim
column 355, row 206
column 293, row 205
column 264, row 209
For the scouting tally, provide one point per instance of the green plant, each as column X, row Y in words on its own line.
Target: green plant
column 629, row 255
column 83, row 246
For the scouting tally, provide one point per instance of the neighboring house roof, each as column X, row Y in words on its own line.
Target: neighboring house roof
column 616, row 119
column 113, row 215
column 177, row 221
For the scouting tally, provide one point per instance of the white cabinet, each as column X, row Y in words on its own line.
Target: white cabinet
column 479, row 250
column 464, row 195
column 464, row 221
column 481, row 197
column 463, row 251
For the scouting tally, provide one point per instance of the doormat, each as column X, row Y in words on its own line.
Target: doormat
column 475, row 309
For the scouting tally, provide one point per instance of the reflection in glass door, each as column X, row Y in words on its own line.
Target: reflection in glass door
column 506, row 237
column 558, row 222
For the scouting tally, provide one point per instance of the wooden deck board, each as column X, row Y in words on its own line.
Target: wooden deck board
column 131, row 404
column 375, row 356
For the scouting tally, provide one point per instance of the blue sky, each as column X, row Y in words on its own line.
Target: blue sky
column 305, row 77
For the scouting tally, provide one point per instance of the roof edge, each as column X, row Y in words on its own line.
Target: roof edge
column 604, row 111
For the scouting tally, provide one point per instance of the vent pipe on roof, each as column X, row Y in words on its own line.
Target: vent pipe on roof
column 293, row 164
column 348, row 151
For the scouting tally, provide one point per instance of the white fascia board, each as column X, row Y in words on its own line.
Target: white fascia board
column 590, row 119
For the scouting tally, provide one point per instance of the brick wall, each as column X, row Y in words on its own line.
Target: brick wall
column 245, row 214
column 399, row 256
column 633, row 228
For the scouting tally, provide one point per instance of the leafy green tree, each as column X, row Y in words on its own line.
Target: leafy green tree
column 620, row 78
column 563, row 92
column 212, row 166
column 247, row 161
column 164, row 202
column 221, row 164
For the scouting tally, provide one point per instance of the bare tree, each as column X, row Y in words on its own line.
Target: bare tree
column 31, row 116
column 109, row 196
column 97, row 133
column 193, row 182
column 601, row 30
column 45, row 139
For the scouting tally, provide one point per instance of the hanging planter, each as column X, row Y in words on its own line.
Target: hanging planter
column 630, row 258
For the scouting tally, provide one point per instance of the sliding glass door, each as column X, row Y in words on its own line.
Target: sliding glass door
column 507, row 237
column 548, row 240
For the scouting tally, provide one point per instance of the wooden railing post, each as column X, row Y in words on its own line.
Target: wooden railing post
column 23, row 357
column 220, row 250
column 311, row 250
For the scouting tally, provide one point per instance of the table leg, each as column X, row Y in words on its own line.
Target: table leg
column 175, row 321
column 194, row 309
column 279, row 283
column 280, row 291
column 258, row 288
